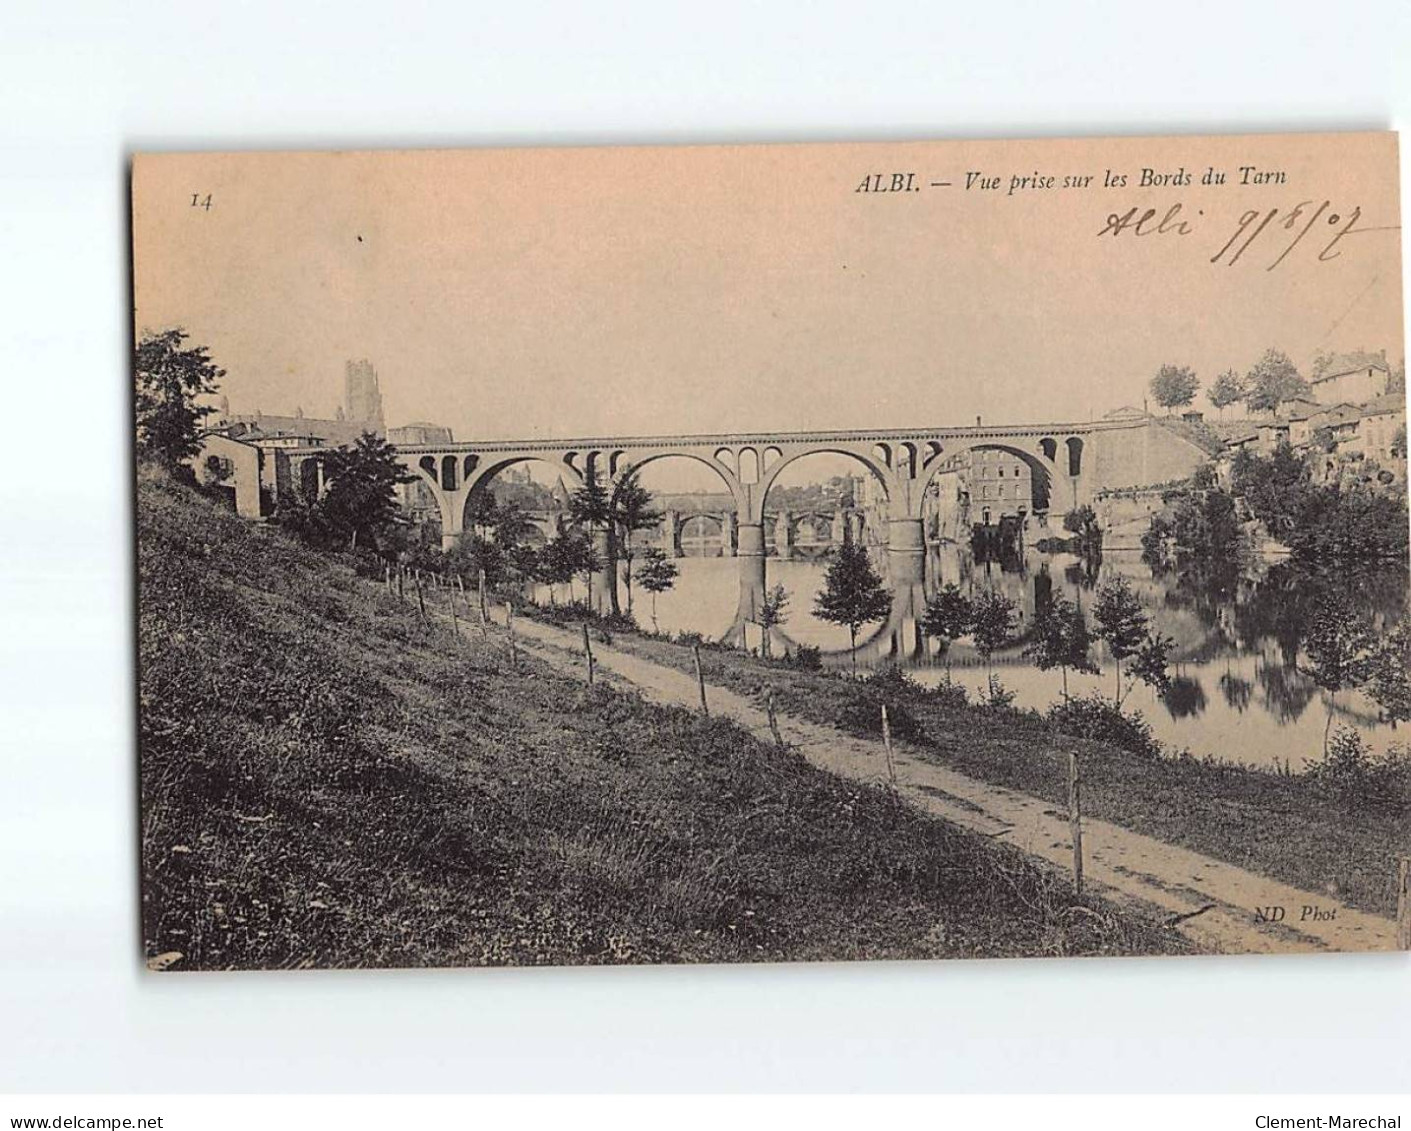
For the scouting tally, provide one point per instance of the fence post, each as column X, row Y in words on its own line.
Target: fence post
column 700, row 678
column 588, row 651
column 509, row 624
column 401, row 581
column 1075, row 820
column 773, row 718
column 887, row 743
column 480, row 589
column 420, row 600
column 1403, row 903
column 451, row 600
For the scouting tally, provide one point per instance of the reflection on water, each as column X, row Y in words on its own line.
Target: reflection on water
column 1237, row 691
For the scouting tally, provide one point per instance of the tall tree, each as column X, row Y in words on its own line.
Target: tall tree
column 1273, row 380
column 360, row 500
column 521, row 564
column 772, row 612
column 632, row 511
column 656, row 574
column 511, row 526
column 1225, row 390
column 1174, row 385
column 992, row 626
column 591, row 506
column 170, row 376
column 481, row 513
column 1123, row 626
column 1389, row 679
column 557, row 565
column 948, row 617
column 1061, row 640
column 853, row 593
column 1340, row 651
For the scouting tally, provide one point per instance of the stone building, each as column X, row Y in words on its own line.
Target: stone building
column 1354, row 378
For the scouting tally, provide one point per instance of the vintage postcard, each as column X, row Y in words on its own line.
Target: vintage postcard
column 774, row 552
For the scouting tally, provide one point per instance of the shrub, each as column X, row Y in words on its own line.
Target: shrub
column 807, row 658
column 1351, row 772
column 1094, row 717
column 863, row 716
column 997, row 695
column 892, row 683
column 951, row 696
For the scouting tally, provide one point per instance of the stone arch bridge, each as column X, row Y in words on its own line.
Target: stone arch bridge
column 1069, row 463
column 902, row 463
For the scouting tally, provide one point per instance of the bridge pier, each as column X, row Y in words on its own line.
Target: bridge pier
column 452, row 520
column 784, row 536
column 752, row 583
column 728, row 543
column 605, row 576
column 750, row 542
column 670, row 528
column 906, row 546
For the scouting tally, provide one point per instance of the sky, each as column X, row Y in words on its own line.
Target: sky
column 638, row 291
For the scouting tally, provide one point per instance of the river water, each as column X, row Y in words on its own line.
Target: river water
column 1239, row 692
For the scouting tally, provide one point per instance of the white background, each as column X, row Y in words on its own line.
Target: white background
column 84, row 84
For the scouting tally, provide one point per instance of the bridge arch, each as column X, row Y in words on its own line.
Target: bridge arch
column 1042, row 472
column 486, row 474
column 771, row 476
column 727, row 477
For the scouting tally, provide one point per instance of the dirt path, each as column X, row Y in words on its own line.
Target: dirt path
column 1211, row 902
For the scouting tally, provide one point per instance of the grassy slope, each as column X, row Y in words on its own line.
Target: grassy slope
column 327, row 781
column 1273, row 824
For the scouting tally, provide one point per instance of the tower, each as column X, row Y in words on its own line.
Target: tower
column 362, row 395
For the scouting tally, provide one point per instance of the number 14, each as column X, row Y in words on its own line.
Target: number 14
column 199, row 201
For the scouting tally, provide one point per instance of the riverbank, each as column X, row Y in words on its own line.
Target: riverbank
column 1297, row 829
column 328, row 779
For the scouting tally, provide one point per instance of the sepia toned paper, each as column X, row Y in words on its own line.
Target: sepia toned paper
column 1001, row 552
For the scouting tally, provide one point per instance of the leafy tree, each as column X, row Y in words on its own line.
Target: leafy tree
column 947, row 618
column 588, row 562
column 591, row 506
column 1083, row 522
column 772, row 612
column 360, row 500
column 1152, row 662
column 169, row 377
column 511, row 526
column 632, row 511
column 992, row 624
column 557, row 563
column 1273, row 380
column 853, row 594
column 1122, row 625
column 1339, row 650
column 481, row 513
column 1389, row 678
column 1174, row 385
column 521, row 564
column 656, row 574
column 475, row 554
column 1225, row 390
column 1061, row 640
column 1274, row 488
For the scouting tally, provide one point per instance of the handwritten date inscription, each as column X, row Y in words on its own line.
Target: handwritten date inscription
column 1270, row 228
